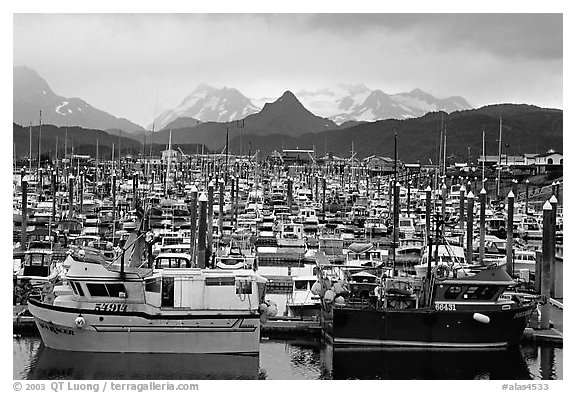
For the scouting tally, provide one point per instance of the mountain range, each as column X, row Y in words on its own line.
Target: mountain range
column 287, row 122
column 526, row 129
column 285, row 116
column 349, row 102
column 341, row 103
column 32, row 94
column 207, row 103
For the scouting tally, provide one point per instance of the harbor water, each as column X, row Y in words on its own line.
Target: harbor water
column 290, row 359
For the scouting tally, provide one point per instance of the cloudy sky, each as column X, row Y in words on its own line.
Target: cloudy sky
column 133, row 65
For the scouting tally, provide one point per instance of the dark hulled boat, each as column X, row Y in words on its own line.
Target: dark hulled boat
column 473, row 312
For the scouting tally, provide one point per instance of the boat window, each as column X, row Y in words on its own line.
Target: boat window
column 79, row 289
column 153, row 285
column 116, row 290
column 107, row 290
column 452, row 292
column 97, row 289
column 217, row 281
column 300, row 285
column 167, row 291
column 243, row 287
column 483, row 292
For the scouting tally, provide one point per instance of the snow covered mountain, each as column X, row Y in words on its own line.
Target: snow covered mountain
column 346, row 102
column 207, row 103
column 32, row 94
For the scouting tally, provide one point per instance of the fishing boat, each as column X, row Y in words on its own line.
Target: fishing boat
column 110, row 308
column 302, row 302
column 477, row 311
column 238, row 255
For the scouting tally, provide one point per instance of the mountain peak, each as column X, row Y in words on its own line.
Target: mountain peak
column 31, row 93
column 288, row 95
column 209, row 104
column 203, row 87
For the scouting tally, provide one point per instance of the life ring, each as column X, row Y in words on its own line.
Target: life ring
column 80, row 322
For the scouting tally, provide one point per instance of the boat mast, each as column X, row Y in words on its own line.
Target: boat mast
column 169, row 159
column 483, row 155
column 96, row 174
column 30, row 151
column 499, row 157
column 39, row 141
column 444, row 162
column 396, row 216
column 226, row 155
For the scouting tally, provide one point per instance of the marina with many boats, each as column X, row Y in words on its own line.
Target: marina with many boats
column 216, row 254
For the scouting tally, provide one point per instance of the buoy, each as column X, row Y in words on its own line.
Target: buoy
column 329, row 296
column 80, row 322
column 316, row 288
column 262, row 308
column 481, row 317
column 263, row 318
column 339, row 300
column 272, row 311
column 338, row 289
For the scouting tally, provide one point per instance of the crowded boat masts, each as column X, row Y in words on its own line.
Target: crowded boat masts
column 131, row 255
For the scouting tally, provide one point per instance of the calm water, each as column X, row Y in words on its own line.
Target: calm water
column 284, row 359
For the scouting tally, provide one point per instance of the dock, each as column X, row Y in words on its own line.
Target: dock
column 555, row 334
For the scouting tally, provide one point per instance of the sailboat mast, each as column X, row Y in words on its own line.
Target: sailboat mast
column 499, row 157
column 444, row 162
column 39, row 141
column 97, row 164
column 483, row 155
column 30, row 151
column 169, row 159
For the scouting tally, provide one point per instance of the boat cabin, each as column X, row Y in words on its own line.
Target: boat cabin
column 172, row 260
column 486, row 286
column 37, row 263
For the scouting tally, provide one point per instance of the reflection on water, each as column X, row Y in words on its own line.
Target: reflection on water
column 46, row 363
column 290, row 359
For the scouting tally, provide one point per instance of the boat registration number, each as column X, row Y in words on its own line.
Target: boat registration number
column 117, row 307
column 445, row 306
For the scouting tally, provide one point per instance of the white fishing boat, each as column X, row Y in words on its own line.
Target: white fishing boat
column 168, row 310
column 302, row 302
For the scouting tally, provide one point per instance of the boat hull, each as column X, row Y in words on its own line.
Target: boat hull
column 349, row 326
column 141, row 333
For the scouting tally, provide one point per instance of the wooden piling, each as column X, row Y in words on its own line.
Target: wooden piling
column 408, row 201
column 324, row 194
column 510, row 235
column 470, row 227
column 462, row 208
column 201, row 261
column 70, row 196
column 444, row 197
column 232, row 197
column 53, row 191
column 113, row 197
column 210, row 223
column 547, row 256
column 222, row 191
column 81, row 192
column 554, row 203
column 482, row 245
column 289, row 193
column 24, row 222
column 236, row 196
column 193, row 220
column 428, row 207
